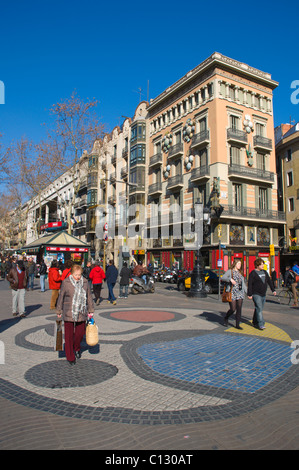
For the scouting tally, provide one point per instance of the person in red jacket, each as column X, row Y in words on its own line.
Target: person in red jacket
column 67, row 269
column 97, row 275
column 54, row 282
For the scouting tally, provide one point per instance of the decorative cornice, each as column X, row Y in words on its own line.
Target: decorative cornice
column 216, row 59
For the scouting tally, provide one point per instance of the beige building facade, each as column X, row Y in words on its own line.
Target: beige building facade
column 214, row 128
column 287, row 158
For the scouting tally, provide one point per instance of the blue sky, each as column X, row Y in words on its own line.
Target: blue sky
column 108, row 50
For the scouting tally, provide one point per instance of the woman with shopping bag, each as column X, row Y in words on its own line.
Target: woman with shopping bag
column 75, row 305
column 238, row 291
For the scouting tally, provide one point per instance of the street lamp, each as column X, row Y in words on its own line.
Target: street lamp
column 197, row 288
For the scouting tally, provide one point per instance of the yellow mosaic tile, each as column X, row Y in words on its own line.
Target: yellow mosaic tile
column 271, row 331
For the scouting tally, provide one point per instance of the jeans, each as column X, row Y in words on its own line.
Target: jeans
column 31, row 281
column 258, row 319
column 18, row 301
column 97, row 290
column 42, row 282
column 111, row 296
column 121, row 292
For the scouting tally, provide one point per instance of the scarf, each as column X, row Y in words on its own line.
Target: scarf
column 79, row 298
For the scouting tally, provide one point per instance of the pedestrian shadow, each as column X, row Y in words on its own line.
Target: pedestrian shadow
column 5, row 324
column 84, row 347
column 31, row 308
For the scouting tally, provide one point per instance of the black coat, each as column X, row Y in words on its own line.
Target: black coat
column 125, row 275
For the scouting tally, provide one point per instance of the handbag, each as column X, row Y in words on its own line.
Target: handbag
column 92, row 333
column 226, row 295
column 58, row 346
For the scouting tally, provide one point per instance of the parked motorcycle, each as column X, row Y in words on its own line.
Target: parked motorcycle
column 138, row 285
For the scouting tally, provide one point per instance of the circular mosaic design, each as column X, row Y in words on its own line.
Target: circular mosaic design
column 143, row 316
column 220, row 360
column 60, row 374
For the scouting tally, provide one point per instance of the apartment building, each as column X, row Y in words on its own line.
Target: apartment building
column 59, row 202
column 213, row 128
column 116, row 191
column 287, row 161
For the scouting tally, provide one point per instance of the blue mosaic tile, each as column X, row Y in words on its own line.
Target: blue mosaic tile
column 229, row 362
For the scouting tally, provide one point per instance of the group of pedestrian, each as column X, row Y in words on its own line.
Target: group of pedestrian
column 20, row 273
column 258, row 281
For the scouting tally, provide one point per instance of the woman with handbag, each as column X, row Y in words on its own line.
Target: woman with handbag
column 74, row 302
column 238, row 290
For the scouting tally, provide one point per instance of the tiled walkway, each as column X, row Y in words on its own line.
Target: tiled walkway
column 153, row 368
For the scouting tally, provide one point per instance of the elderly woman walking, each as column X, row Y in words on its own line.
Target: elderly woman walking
column 239, row 289
column 75, row 304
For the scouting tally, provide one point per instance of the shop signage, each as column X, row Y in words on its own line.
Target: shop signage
column 138, row 252
column 261, row 255
column 66, row 248
column 51, row 226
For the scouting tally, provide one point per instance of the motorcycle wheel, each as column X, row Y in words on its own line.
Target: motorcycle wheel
column 152, row 290
column 134, row 291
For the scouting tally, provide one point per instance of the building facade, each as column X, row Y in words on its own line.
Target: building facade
column 287, row 161
column 207, row 138
column 214, row 126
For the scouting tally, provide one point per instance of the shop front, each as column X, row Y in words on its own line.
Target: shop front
column 60, row 246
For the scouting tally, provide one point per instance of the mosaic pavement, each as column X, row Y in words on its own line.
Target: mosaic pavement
column 157, row 366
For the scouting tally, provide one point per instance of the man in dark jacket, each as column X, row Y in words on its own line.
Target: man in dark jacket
column 257, row 288
column 124, row 282
column 42, row 275
column 17, row 277
column 111, row 277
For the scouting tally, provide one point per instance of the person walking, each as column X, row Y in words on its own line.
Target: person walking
column 111, row 278
column 274, row 277
column 67, row 269
column 238, row 289
column 54, row 283
column 258, row 281
column 86, row 273
column 97, row 276
column 42, row 275
column 290, row 281
column 17, row 277
column 124, row 282
column 31, row 269
column 75, row 304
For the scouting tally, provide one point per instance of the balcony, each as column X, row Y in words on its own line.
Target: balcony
column 235, row 135
column 125, row 153
column 156, row 159
column 112, row 177
column 113, row 159
column 200, row 173
column 176, row 150
column 140, row 188
column 124, row 171
column 201, row 138
column 250, row 173
column 296, row 223
column 253, row 213
column 262, row 143
column 81, row 203
column 175, row 182
column 155, row 188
